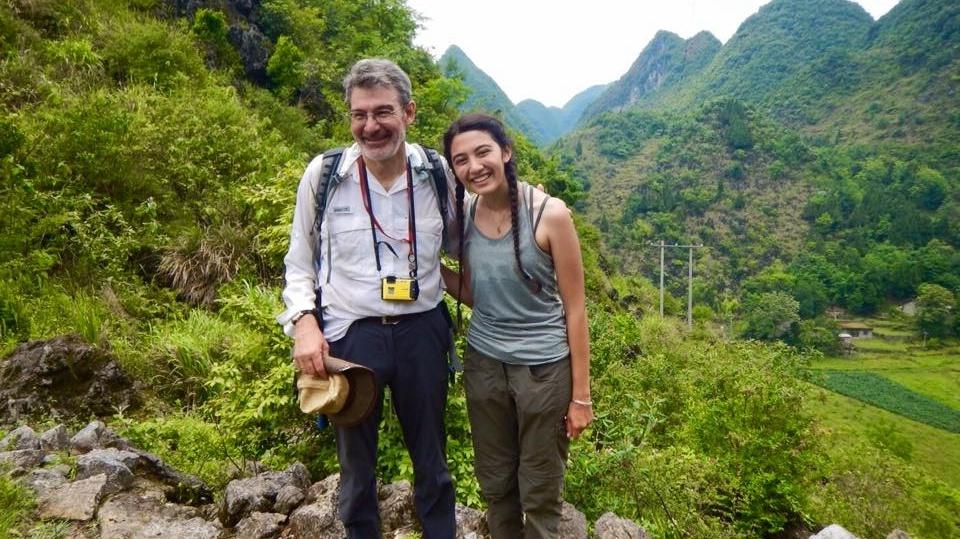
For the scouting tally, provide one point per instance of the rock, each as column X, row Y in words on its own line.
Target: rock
column 64, row 378
column 573, row 524
column 316, row 521
column 115, row 464
column 261, row 526
column 471, row 523
column 42, row 481
column 146, row 513
column 396, row 507
column 22, row 437
column 55, row 439
column 254, row 50
column 180, row 487
column 194, row 528
column 288, row 499
column 22, row 459
column 244, row 7
column 328, row 489
column 834, row 531
column 610, row 526
column 898, row 534
column 246, row 496
column 259, row 494
column 96, row 435
column 73, row 501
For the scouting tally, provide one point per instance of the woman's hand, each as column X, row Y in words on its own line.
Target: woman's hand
column 579, row 416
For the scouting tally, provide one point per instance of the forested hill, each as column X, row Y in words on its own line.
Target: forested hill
column 666, row 62
column 485, row 94
column 541, row 124
column 817, row 154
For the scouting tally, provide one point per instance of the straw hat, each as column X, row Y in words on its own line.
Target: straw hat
column 347, row 396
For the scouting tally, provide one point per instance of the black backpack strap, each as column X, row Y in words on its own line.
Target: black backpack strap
column 439, row 176
column 328, row 173
column 331, row 162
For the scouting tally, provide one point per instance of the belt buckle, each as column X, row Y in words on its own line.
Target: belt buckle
column 389, row 320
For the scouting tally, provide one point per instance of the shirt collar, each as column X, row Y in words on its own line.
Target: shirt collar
column 351, row 154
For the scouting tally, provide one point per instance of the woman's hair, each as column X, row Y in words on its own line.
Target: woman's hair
column 492, row 127
column 373, row 72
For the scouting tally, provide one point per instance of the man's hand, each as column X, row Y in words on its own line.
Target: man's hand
column 309, row 347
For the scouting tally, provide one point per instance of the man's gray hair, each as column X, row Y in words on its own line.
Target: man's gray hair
column 373, row 72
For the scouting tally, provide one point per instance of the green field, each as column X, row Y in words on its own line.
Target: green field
column 895, row 385
column 934, row 450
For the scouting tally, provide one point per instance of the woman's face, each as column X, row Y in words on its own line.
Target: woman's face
column 478, row 161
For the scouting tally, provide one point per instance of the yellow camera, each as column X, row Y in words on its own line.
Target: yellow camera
column 399, row 289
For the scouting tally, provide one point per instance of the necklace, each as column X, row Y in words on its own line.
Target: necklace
column 499, row 219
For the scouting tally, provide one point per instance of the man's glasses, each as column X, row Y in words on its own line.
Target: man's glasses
column 380, row 115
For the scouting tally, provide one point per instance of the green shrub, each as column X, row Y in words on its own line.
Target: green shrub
column 187, row 442
column 871, row 492
column 182, row 353
column 17, row 504
column 285, row 66
column 152, row 54
column 211, row 29
column 55, row 309
column 14, row 323
column 713, row 442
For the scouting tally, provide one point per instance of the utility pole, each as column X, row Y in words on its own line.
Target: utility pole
column 661, row 278
column 662, row 245
column 690, row 290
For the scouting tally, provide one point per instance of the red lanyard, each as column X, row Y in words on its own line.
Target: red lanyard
column 375, row 223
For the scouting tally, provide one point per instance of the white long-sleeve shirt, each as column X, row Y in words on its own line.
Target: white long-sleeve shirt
column 347, row 274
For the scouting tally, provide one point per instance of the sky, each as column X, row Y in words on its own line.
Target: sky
column 551, row 50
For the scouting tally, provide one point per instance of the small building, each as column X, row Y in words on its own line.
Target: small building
column 908, row 308
column 856, row 330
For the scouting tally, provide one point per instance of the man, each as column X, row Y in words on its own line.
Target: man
column 380, row 241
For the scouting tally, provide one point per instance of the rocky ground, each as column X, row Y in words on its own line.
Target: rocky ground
column 114, row 490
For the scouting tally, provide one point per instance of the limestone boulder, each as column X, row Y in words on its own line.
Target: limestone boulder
column 63, row 378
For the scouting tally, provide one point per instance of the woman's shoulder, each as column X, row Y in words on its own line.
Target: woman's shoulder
column 540, row 196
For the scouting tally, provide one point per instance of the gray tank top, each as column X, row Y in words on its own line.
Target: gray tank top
column 510, row 322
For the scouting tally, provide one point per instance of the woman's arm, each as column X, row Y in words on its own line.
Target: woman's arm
column 564, row 247
column 457, row 284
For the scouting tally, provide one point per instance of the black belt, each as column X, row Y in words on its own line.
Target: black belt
column 390, row 320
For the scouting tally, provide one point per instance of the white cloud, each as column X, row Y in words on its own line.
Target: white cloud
column 552, row 50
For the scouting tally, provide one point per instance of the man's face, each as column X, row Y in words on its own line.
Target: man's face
column 379, row 122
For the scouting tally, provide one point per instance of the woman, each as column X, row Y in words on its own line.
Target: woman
column 527, row 364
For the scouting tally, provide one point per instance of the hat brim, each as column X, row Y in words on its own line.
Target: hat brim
column 362, row 397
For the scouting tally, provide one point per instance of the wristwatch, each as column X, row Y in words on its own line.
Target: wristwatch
column 296, row 318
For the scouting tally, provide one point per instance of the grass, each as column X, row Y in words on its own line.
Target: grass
column 933, row 450
column 872, row 388
column 16, row 502
column 894, row 359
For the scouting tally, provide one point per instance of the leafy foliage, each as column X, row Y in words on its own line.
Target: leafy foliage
column 691, row 456
column 17, row 503
column 934, row 310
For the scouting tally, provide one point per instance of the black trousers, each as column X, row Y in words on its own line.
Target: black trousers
column 409, row 357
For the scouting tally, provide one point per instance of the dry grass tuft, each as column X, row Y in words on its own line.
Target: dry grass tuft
column 199, row 265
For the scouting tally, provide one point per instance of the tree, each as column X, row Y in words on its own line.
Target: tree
column 770, row 315
column 934, row 310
